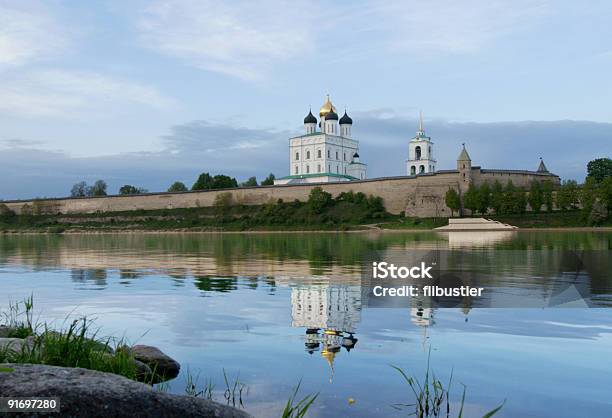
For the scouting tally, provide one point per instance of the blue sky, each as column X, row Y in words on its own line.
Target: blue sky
column 149, row 92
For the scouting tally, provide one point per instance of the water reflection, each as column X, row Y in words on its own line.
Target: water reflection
column 330, row 314
column 280, row 307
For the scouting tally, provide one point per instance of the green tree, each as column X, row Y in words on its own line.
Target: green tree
column 129, row 189
column 7, row 215
column 520, row 201
column 221, row 181
column 79, row 189
column 497, row 197
column 177, row 186
column 588, row 195
column 605, row 193
column 269, row 181
column 471, row 199
column 567, row 196
column 319, row 199
column 98, row 189
column 535, row 196
column 251, row 182
column 599, row 169
column 484, row 193
column 204, row 182
column 547, row 195
column 452, row 200
column 508, row 204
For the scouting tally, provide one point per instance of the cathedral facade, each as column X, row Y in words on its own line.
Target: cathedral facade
column 326, row 152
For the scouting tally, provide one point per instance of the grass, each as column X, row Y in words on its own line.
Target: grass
column 299, row 409
column 342, row 213
column 77, row 346
column 431, row 398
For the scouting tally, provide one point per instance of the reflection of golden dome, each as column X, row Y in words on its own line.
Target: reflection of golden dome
column 329, row 356
column 327, row 107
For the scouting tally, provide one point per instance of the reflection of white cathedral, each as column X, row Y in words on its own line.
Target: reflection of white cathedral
column 330, row 314
column 329, row 154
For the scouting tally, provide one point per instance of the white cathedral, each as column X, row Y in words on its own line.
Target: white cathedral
column 331, row 154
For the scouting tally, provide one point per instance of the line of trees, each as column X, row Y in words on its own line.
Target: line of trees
column 204, row 182
column 594, row 196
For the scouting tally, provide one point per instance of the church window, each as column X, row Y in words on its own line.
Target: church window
column 336, row 155
column 338, row 169
column 464, row 167
column 421, row 169
column 429, row 148
column 297, row 170
column 307, row 169
column 308, row 155
column 412, row 170
column 297, row 156
column 318, row 168
column 417, row 152
column 328, row 154
column 345, row 156
column 329, row 168
column 319, row 153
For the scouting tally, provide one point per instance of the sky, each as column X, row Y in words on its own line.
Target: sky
column 149, row 92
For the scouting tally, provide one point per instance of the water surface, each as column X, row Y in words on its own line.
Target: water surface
column 277, row 308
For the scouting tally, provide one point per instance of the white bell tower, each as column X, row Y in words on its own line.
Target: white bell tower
column 420, row 153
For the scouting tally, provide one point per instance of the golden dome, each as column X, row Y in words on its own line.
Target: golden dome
column 327, row 107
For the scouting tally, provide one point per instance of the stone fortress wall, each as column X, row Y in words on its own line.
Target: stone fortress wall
column 421, row 195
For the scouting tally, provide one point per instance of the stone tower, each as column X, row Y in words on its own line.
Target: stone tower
column 464, row 166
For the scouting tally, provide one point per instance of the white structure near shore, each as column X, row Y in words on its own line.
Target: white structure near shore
column 329, row 154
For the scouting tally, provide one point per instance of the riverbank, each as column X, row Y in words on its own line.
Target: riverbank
column 351, row 213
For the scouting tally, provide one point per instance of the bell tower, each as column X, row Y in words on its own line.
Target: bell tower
column 420, row 153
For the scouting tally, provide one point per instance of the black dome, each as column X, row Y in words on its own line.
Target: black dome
column 346, row 120
column 331, row 116
column 310, row 118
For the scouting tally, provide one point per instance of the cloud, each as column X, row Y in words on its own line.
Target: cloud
column 240, row 38
column 199, row 146
column 28, row 33
column 452, row 26
column 66, row 93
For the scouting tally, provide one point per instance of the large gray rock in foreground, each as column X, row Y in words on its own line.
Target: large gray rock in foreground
column 88, row 393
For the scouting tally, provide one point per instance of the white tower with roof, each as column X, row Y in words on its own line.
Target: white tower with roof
column 420, row 153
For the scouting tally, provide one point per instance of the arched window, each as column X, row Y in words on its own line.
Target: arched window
column 318, row 168
column 297, row 170
column 336, row 155
column 319, row 153
column 308, row 155
column 297, row 156
column 412, row 170
column 338, row 169
column 421, row 169
column 429, row 152
column 307, row 169
column 345, row 156
column 417, row 153
column 329, row 168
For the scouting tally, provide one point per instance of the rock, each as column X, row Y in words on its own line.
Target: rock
column 88, row 393
column 5, row 331
column 161, row 364
column 16, row 345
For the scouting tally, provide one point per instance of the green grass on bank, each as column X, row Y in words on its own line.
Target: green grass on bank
column 561, row 219
column 321, row 212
